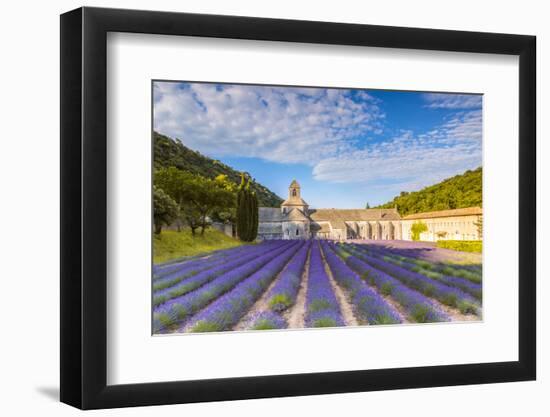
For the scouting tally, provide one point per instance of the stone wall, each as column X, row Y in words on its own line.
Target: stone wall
column 445, row 228
column 296, row 230
column 270, row 230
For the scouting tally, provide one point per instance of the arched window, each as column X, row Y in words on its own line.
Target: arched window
column 297, row 232
column 294, row 192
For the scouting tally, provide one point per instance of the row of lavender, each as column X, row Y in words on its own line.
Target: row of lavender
column 415, row 257
column 172, row 274
column 190, row 277
column 283, row 294
column 447, row 294
column 162, row 270
column 322, row 308
column 369, row 307
column 195, row 293
column 228, row 310
column 415, row 307
column 472, row 287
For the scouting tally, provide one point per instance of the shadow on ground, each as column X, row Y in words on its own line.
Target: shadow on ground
column 50, row 392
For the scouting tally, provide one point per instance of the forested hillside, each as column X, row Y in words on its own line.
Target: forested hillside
column 460, row 191
column 169, row 152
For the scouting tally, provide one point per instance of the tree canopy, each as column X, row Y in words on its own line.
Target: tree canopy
column 165, row 209
column 198, row 198
column 460, row 191
column 172, row 153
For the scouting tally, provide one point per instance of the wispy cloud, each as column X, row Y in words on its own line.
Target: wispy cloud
column 411, row 161
column 452, row 101
column 290, row 125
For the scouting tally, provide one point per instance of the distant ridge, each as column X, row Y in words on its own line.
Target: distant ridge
column 170, row 152
column 460, row 191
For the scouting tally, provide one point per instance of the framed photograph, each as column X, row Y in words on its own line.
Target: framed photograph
column 257, row 208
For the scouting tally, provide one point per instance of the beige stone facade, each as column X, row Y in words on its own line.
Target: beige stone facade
column 458, row 224
column 295, row 220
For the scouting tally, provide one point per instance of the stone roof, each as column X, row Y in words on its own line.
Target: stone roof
column 294, row 201
column 270, row 214
column 296, row 215
column 469, row 211
column 337, row 216
column 320, row 227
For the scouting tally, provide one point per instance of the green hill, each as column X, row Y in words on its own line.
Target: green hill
column 460, row 191
column 170, row 152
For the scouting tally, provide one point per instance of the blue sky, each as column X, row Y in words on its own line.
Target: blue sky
column 345, row 147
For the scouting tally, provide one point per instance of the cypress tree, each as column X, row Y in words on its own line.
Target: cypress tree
column 241, row 215
column 254, row 216
column 247, row 212
column 246, row 216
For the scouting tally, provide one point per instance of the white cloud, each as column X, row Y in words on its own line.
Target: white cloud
column 409, row 162
column 452, row 101
column 300, row 125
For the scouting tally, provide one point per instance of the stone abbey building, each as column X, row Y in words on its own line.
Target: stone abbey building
column 295, row 220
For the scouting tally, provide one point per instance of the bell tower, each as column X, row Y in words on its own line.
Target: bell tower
column 294, row 190
column 294, row 200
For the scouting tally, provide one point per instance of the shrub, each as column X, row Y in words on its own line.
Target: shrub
column 417, row 229
column 268, row 320
column 325, row 322
column 461, row 245
column 386, row 288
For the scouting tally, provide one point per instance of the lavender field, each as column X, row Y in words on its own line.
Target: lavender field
column 280, row 284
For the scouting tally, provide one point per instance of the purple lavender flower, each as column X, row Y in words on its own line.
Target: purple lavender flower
column 283, row 294
column 429, row 257
column 461, row 283
column 268, row 320
column 368, row 305
column 179, row 309
column 453, row 297
column 227, row 310
column 324, row 318
column 182, row 273
column 322, row 307
column 418, row 307
column 208, row 275
column 174, row 274
column 171, row 267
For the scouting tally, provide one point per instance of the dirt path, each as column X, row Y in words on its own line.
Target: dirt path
column 345, row 306
column 296, row 316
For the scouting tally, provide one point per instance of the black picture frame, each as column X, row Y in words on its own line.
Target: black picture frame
column 84, row 207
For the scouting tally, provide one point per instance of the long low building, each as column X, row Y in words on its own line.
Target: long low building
column 295, row 220
column 457, row 224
